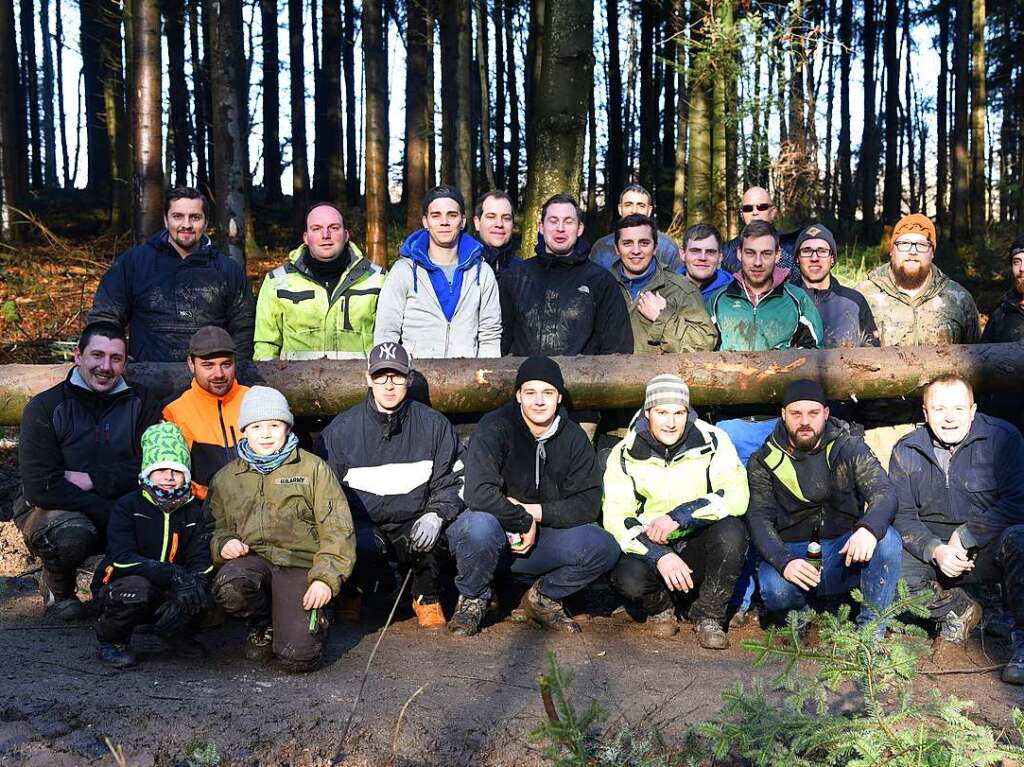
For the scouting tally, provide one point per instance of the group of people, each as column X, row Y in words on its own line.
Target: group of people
column 210, row 500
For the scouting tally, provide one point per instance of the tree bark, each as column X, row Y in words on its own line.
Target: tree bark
column 499, row 95
column 890, row 55
column 98, row 184
column 348, row 66
column 148, row 116
column 116, row 115
column 328, row 160
column 271, row 104
column 960, row 165
column 30, row 91
column 61, row 113
column 376, row 148
column 463, row 90
column 869, row 136
column 615, row 165
column 560, row 108
column 591, row 159
column 177, row 91
column 942, row 123
column 515, row 137
column 648, row 128
column 699, row 183
column 979, row 105
column 485, row 98
column 721, row 116
column 297, row 97
column 449, row 89
column 201, row 99
column 12, row 179
column 230, row 125
column 417, row 134
column 49, row 132
column 847, row 202
column 682, row 114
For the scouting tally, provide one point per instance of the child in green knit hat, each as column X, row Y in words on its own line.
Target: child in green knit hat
column 158, row 554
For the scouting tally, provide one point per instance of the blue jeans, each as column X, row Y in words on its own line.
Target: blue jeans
column 566, row 559
column 876, row 578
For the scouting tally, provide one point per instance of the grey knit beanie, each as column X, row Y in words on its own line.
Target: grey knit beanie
column 262, row 403
column 667, row 389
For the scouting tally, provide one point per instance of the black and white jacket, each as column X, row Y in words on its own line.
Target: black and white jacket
column 396, row 466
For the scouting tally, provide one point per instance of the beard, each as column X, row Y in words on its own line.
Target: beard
column 910, row 279
column 805, row 440
column 1018, row 285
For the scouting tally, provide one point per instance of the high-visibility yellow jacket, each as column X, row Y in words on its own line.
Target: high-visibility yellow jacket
column 297, row 320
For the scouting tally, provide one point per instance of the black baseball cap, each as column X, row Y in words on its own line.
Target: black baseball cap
column 389, row 356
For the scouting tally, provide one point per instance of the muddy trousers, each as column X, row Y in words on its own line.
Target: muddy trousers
column 62, row 540
column 715, row 554
column 1001, row 561
column 250, row 587
column 875, row 578
column 129, row 602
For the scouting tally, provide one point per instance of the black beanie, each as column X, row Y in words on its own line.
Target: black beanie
column 816, row 232
column 802, row 390
column 540, row 369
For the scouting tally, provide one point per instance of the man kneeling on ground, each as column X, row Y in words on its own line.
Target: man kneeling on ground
column 535, row 473
column 960, row 480
column 283, row 536
column 674, row 490
column 158, row 553
column 821, row 510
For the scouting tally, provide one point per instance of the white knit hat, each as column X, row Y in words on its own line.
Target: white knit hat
column 262, row 403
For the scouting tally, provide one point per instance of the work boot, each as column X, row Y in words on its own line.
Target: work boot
column 549, row 613
column 710, row 634
column 1013, row 673
column 259, row 645
column 959, row 622
column 117, row 655
column 664, row 624
column 350, row 606
column 469, row 614
column 428, row 614
column 59, row 598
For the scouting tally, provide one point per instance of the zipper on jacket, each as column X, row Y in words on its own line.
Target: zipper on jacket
column 223, row 428
column 167, row 530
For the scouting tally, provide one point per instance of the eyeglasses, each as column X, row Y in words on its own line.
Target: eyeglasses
column 761, row 207
column 397, row 379
column 905, row 246
column 821, row 253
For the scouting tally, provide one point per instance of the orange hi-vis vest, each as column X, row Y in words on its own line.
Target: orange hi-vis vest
column 210, row 426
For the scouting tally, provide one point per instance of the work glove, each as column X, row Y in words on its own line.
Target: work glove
column 190, row 590
column 171, row 617
column 425, row 531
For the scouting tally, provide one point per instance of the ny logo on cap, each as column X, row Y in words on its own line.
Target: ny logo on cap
column 387, row 351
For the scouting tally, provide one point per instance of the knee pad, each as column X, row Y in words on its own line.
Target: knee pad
column 235, row 592
column 67, row 544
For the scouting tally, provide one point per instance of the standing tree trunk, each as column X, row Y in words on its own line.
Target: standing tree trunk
column 942, row 123
column 230, row 125
column 116, row 114
column 890, row 54
column 960, row 202
column 12, row 179
column 177, row 127
column 148, row 116
column 721, row 116
column 61, row 114
column 615, row 164
column 201, row 98
column 979, row 100
column 271, row 104
column 560, row 111
column 591, row 159
column 682, row 115
column 376, row 149
column 908, row 111
column 417, row 133
column 648, row 128
column 534, row 61
column 515, row 138
column 485, row 98
column 98, row 184
column 49, row 132
column 699, row 185
column 328, row 161
column 463, row 89
column 847, row 202
column 499, row 96
column 449, row 91
column 349, row 68
column 30, row 90
column 869, row 137
column 297, row 96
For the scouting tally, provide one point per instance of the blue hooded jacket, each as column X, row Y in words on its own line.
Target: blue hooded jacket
column 720, row 278
column 416, row 249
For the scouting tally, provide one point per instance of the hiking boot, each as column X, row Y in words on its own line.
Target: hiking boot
column 549, row 613
column 59, row 601
column 710, row 634
column 350, row 606
column 117, row 655
column 1013, row 673
column 469, row 614
column 960, row 622
column 740, row 618
column 259, row 645
column 428, row 614
column 664, row 624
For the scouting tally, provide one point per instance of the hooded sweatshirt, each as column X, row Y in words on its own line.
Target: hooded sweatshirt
column 719, row 279
column 434, row 317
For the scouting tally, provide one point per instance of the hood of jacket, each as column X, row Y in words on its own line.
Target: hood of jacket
column 580, row 253
column 645, row 445
column 834, row 429
column 417, row 248
column 299, row 255
column 161, row 241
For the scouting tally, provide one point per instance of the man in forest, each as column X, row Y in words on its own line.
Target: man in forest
column 165, row 289
column 757, row 205
column 960, row 480
column 635, row 199
column 323, row 301
column 845, row 315
column 560, row 303
column 1006, row 325
column 78, row 453
column 700, row 260
column 914, row 304
column 493, row 221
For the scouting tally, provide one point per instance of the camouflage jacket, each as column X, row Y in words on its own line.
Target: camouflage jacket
column 682, row 326
column 295, row 516
column 943, row 313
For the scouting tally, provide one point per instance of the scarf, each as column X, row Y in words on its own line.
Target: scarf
column 166, row 500
column 265, row 464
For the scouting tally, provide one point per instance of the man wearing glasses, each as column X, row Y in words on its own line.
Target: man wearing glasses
column 845, row 314
column 757, row 205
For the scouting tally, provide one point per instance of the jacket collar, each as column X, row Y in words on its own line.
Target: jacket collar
column 417, row 248
column 516, row 414
column 883, row 278
column 77, row 383
column 738, row 286
column 390, row 423
column 580, row 253
column 203, row 252
column 834, row 430
column 645, row 445
column 242, row 466
column 199, row 391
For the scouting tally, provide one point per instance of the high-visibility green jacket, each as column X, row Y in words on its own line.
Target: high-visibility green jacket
column 297, row 320
column 645, row 480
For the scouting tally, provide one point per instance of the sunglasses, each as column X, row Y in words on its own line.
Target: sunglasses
column 761, row 207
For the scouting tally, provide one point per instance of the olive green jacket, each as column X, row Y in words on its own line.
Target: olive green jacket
column 295, row 516
column 682, row 326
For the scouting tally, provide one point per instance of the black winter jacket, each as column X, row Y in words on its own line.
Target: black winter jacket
column 562, row 305
column 397, row 466
column 69, row 427
column 504, row 460
column 842, row 484
column 845, row 315
column 981, row 496
column 1006, row 323
column 143, row 540
column 500, row 259
column 163, row 299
